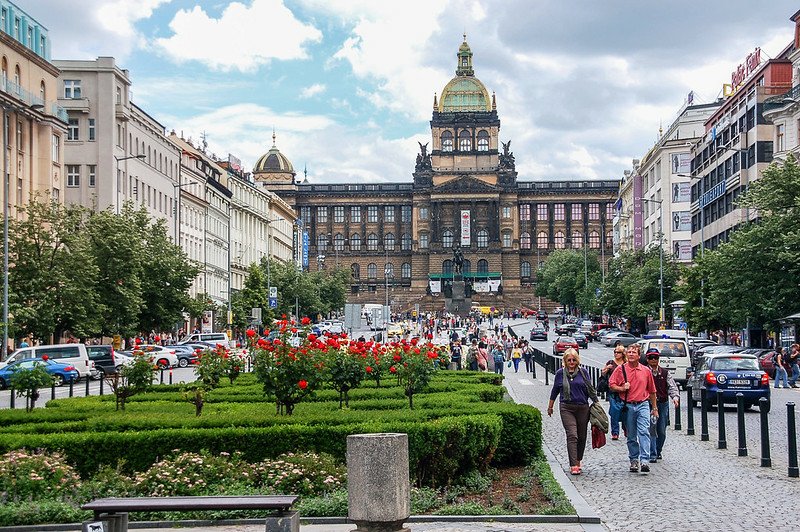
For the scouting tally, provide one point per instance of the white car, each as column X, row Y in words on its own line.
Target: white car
column 161, row 356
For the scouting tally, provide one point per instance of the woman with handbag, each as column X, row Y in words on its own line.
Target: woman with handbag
column 575, row 387
column 483, row 356
column 614, row 400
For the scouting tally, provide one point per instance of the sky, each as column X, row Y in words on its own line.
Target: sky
column 582, row 86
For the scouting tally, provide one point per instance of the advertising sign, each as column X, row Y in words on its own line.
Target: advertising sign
column 682, row 249
column 681, row 221
column 436, row 286
column 208, row 322
column 305, row 249
column 465, row 233
column 637, row 212
column 681, row 192
column 681, row 163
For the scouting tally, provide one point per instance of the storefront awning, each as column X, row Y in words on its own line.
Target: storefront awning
column 467, row 275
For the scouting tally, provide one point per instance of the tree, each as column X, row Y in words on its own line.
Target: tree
column 562, row 278
column 27, row 381
column 254, row 294
column 131, row 379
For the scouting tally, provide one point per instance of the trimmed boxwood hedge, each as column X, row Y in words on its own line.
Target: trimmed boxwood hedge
column 459, row 423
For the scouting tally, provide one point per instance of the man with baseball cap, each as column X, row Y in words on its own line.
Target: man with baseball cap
column 666, row 389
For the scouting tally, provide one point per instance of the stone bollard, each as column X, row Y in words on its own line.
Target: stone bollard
column 378, row 486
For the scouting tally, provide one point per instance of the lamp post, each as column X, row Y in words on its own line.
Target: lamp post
column 660, row 254
column 119, row 186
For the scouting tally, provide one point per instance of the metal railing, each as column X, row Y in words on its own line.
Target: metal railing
column 29, row 99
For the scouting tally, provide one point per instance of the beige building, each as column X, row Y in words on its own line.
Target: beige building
column 35, row 124
column 783, row 110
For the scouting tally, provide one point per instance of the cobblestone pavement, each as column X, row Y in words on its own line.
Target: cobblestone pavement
column 415, row 527
column 695, row 487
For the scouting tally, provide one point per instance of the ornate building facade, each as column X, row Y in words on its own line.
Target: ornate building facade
column 398, row 238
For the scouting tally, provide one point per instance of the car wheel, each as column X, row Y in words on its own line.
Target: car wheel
column 162, row 363
column 119, row 367
column 58, row 380
column 182, row 362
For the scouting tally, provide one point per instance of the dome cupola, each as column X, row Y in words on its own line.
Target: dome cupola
column 465, row 92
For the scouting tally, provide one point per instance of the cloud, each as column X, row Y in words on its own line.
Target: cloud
column 242, row 38
column 313, row 90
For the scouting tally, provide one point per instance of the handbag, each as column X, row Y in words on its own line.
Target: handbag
column 602, row 384
column 509, row 364
column 624, row 410
column 598, row 437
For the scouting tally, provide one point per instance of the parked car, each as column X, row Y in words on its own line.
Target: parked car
column 597, row 327
column 731, row 373
column 566, row 328
column 619, row 338
column 711, row 350
column 61, row 373
column 603, row 332
column 581, row 339
column 210, row 338
column 767, row 363
column 103, row 358
column 161, row 356
column 187, row 355
column 541, row 314
column 696, row 343
column 122, row 358
column 393, row 330
column 562, row 343
column 538, row 333
column 71, row 354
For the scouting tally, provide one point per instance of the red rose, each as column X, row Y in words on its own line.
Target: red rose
column 305, row 321
column 369, row 369
column 45, row 358
column 312, row 337
column 303, row 384
column 397, row 358
column 393, row 370
column 250, row 333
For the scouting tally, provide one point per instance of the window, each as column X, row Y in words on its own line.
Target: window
column 73, row 132
column 467, row 266
column 388, row 242
column 372, row 242
column 541, row 240
column 338, row 242
column 483, row 266
column 119, row 95
column 405, row 270
column 423, row 213
column 372, row 214
column 594, row 211
column 305, row 215
column 525, row 212
column 20, row 147
column 525, row 269
column 322, row 242
column 594, row 240
column 355, row 271
column 559, row 212
column 609, row 211
column 780, row 130
column 483, row 239
column 405, row 242
column 609, row 239
column 577, row 239
column 372, row 270
column 560, row 241
column 73, row 175
column 92, row 175
column 355, row 214
column 483, row 140
column 577, row 212
column 42, row 91
column 447, row 266
column 388, row 270
column 447, row 141
column 72, row 89
column 541, row 212
column 388, row 213
column 447, row 239
column 355, row 242
column 405, row 214
column 30, row 37
column 56, row 152
column 338, row 214
column 506, row 212
column 507, row 239
column 91, row 129
column 322, row 215
column 525, row 241
column 16, row 29
column 423, row 240
column 43, row 46
column 464, row 141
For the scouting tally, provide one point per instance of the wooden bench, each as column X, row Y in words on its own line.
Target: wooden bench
column 113, row 512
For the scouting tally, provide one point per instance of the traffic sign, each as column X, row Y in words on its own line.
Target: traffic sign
column 273, row 302
column 273, row 291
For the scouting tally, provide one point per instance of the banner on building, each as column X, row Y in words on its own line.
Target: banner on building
column 681, row 163
column 465, row 233
column 305, row 249
column 682, row 249
column 494, row 284
column 637, row 212
column 208, row 322
column 681, row 221
column 436, row 286
column 481, row 286
column 681, row 192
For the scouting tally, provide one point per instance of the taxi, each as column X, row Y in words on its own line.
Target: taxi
column 731, row 374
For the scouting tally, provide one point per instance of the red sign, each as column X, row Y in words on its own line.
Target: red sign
column 746, row 68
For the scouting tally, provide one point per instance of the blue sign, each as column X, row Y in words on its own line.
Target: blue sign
column 713, row 193
column 305, row 249
column 273, row 302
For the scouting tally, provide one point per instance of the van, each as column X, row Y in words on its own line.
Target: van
column 72, row 354
column 674, row 355
column 208, row 338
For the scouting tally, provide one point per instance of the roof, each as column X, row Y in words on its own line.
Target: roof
column 273, row 161
column 464, row 94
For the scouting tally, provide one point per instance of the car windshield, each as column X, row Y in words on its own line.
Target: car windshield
column 734, row 364
column 669, row 348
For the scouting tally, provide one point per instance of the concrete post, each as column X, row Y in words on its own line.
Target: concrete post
column 378, row 487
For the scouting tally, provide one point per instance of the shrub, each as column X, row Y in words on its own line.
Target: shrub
column 187, row 474
column 333, row 504
column 27, row 381
column 38, row 512
column 299, row 474
column 26, row 476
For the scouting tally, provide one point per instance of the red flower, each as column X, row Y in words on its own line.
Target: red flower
column 393, row 370
column 305, row 321
column 397, row 358
column 250, row 333
column 45, row 358
column 414, row 341
column 312, row 337
column 303, row 384
column 369, row 369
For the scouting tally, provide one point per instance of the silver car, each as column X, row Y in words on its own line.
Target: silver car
column 621, row 337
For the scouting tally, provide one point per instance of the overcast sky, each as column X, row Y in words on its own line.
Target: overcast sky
column 582, row 86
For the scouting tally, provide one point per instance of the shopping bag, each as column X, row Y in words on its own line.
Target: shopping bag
column 598, row 437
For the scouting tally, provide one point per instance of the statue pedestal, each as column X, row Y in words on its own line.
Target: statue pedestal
column 459, row 304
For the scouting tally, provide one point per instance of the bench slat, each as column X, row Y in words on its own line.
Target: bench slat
column 220, row 502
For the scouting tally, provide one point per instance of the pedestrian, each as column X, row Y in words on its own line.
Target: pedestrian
column 780, row 370
column 24, row 343
column 666, row 390
column 497, row 356
column 635, row 384
column 455, row 354
column 472, row 355
column 527, row 354
column 516, row 356
column 574, row 386
column 794, row 364
column 614, row 400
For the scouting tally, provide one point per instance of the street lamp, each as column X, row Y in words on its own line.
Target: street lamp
column 660, row 254
column 119, row 186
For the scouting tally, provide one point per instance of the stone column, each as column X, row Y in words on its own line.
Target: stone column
column 378, row 487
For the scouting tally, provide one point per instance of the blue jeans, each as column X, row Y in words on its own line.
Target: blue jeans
column 795, row 374
column 780, row 375
column 658, row 433
column 516, row 364
column 498, row 365
column 638, row 422
column 615, row 413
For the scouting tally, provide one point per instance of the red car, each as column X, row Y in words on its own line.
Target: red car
column 766, row 361
column 562, row 343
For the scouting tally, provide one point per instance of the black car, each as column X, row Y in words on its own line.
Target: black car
column 538, row 333
column 103, row 358
column 186, row 353
column 580, row 339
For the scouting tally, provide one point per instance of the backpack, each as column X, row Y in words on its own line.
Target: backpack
column 472, row 354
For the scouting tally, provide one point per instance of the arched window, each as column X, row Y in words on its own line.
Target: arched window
column 525, row 269
column 42, row 92
column 594, row 240
column 447, row 239
column 17, row 77
column 355, row 242
column 5, row 70
column 541, row 240
column 447, row 141
column 609, row 239
column 466, row 267
column 507, row 239
column 447, row 266
column 372, row 270
column 405, row 270
column 560, row 240
column 483, row 140
column 355, row 270
column 372, row 242
column 525, row 241
column 405, row 242
column 322, row 242
column 483, row 266
column 388, row 270
column 483, row 238
column 388, row 242
column 464, row 141
column 577, row 239
column 338, row 242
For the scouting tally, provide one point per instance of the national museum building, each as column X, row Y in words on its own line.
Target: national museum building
column 398, row 238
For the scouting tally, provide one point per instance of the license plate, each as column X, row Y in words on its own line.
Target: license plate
column 739, row 382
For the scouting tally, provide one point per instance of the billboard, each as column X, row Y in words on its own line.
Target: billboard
column 637, row 212
column 681, row 221
column 681, row 192
column 681, row 163
column 465, row 233
column 305, row 249
column 682, row 250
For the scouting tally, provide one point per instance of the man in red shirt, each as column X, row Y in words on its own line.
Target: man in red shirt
column 635, row 385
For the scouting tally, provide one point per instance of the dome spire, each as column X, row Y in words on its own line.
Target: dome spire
column 464, row 66
column 273, row 136
column 435, row 104
column 494, row 102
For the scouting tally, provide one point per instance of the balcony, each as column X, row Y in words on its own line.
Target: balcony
column 80, row 105
column 122, row 113
column 774, row 103
column 27, row 99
